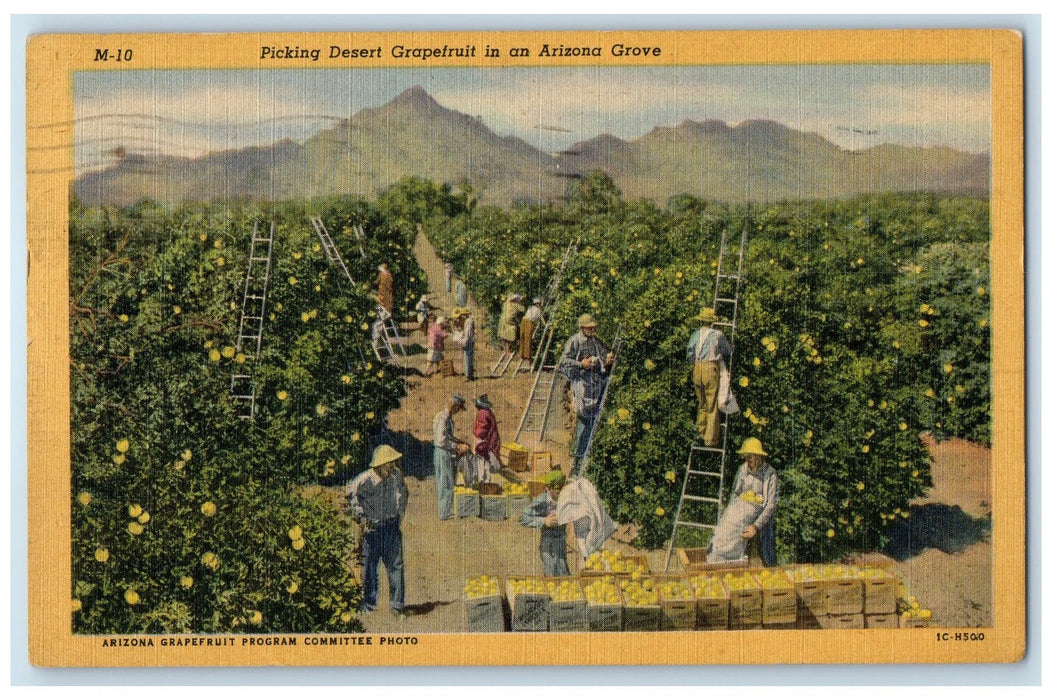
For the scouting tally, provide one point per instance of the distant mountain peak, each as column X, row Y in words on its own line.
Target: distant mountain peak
column 415, row 97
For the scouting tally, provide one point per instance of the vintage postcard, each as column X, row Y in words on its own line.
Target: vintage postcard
column 460, row 348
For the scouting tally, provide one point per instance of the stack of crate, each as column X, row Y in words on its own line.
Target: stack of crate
column 711, row 600
column 745, row 599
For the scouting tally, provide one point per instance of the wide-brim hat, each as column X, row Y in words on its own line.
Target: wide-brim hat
column 515, row 297
column 537, row 300
column 461, row 311
column 458, row 400
column 441, row 320
column 752, row 446
column 587, row 321
column 707, row 314
column 483, row 402
column 384, row 454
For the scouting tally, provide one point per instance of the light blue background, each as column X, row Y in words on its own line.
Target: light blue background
column 1026, row 673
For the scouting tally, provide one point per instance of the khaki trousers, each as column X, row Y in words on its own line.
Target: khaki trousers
column 706, row 386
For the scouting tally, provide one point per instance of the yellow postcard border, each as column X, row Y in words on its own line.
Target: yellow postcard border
column 50, row 62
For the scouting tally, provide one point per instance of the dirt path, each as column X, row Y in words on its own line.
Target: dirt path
column 943, row 553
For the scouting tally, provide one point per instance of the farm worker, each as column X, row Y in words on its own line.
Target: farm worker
column 385, row 288
column 530, row 322
column 423, row 313
column 579, row 504
column 447, row 449
column 751, row 510
column 487, row 439
column 436, row 344
column 460, row 296
column 708, row 350
column 465, row 337
column 510, row 316
column 541, row 513
column 449, row 277
column 586, row 362
column 377, row 499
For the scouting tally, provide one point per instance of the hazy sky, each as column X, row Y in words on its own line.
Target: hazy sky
column 190, row 112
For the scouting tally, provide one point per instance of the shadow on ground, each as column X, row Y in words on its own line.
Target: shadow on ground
column 936, row 525
column 418, row 457
column 425, row 608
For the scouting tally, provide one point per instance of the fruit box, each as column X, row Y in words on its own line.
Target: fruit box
column 485, row 613
column 493, row 507
column 604, row 617
column 779, row 601
column 516, row 505
column 490, row 489
column 677, row 613
column 637, row 560
column 515, row 456
column 853, row 621
column 810, row 595
column 640, row 617
column 880, row 594
column 529, row 611
column 746, row 602
column 540, row 462
column 536, row 488
column 844, row 596
column 567, row 615
column 882, row 621
column 693, row 561
column 712, row 612
column 446, row 369
column 466, row 505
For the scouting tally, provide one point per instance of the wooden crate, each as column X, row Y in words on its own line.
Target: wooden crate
column 712, row 613
column 844, row 596
column 746, row 605
column 540, row 461
column 516, row 457
column 693, row 560
column 490, row 489
column 493, row 507
column 677, row 614
column 516, row 505
column 446, row 369
column 486, row 613
column 536, row 488
column 882, row 621
column 639, row 560
column 853, row 621
column 779, row 604
column 811, row 599
column 604, row 617
column 466, row 505
column 640, row 617
column 567, row 615
column 879, row 594
column 529, row 611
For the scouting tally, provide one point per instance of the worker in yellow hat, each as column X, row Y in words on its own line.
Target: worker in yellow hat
column 377, row 499
column 751, row 510
column 709, row 352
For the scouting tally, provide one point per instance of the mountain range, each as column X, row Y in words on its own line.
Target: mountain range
column 755, row 160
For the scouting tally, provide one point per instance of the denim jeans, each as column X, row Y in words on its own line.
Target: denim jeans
column 585, row 422
column 384, row 542
column 469, row 361
column 553, row 551
column 445, row 479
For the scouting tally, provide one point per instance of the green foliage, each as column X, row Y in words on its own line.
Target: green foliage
column 832, row 365
column 155, row 298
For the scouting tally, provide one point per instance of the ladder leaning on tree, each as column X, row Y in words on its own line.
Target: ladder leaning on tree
column 615, row 348
column 327, row 244
column 708, row 465
column 549, row 302
column 250, row 327
column 542, row 392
